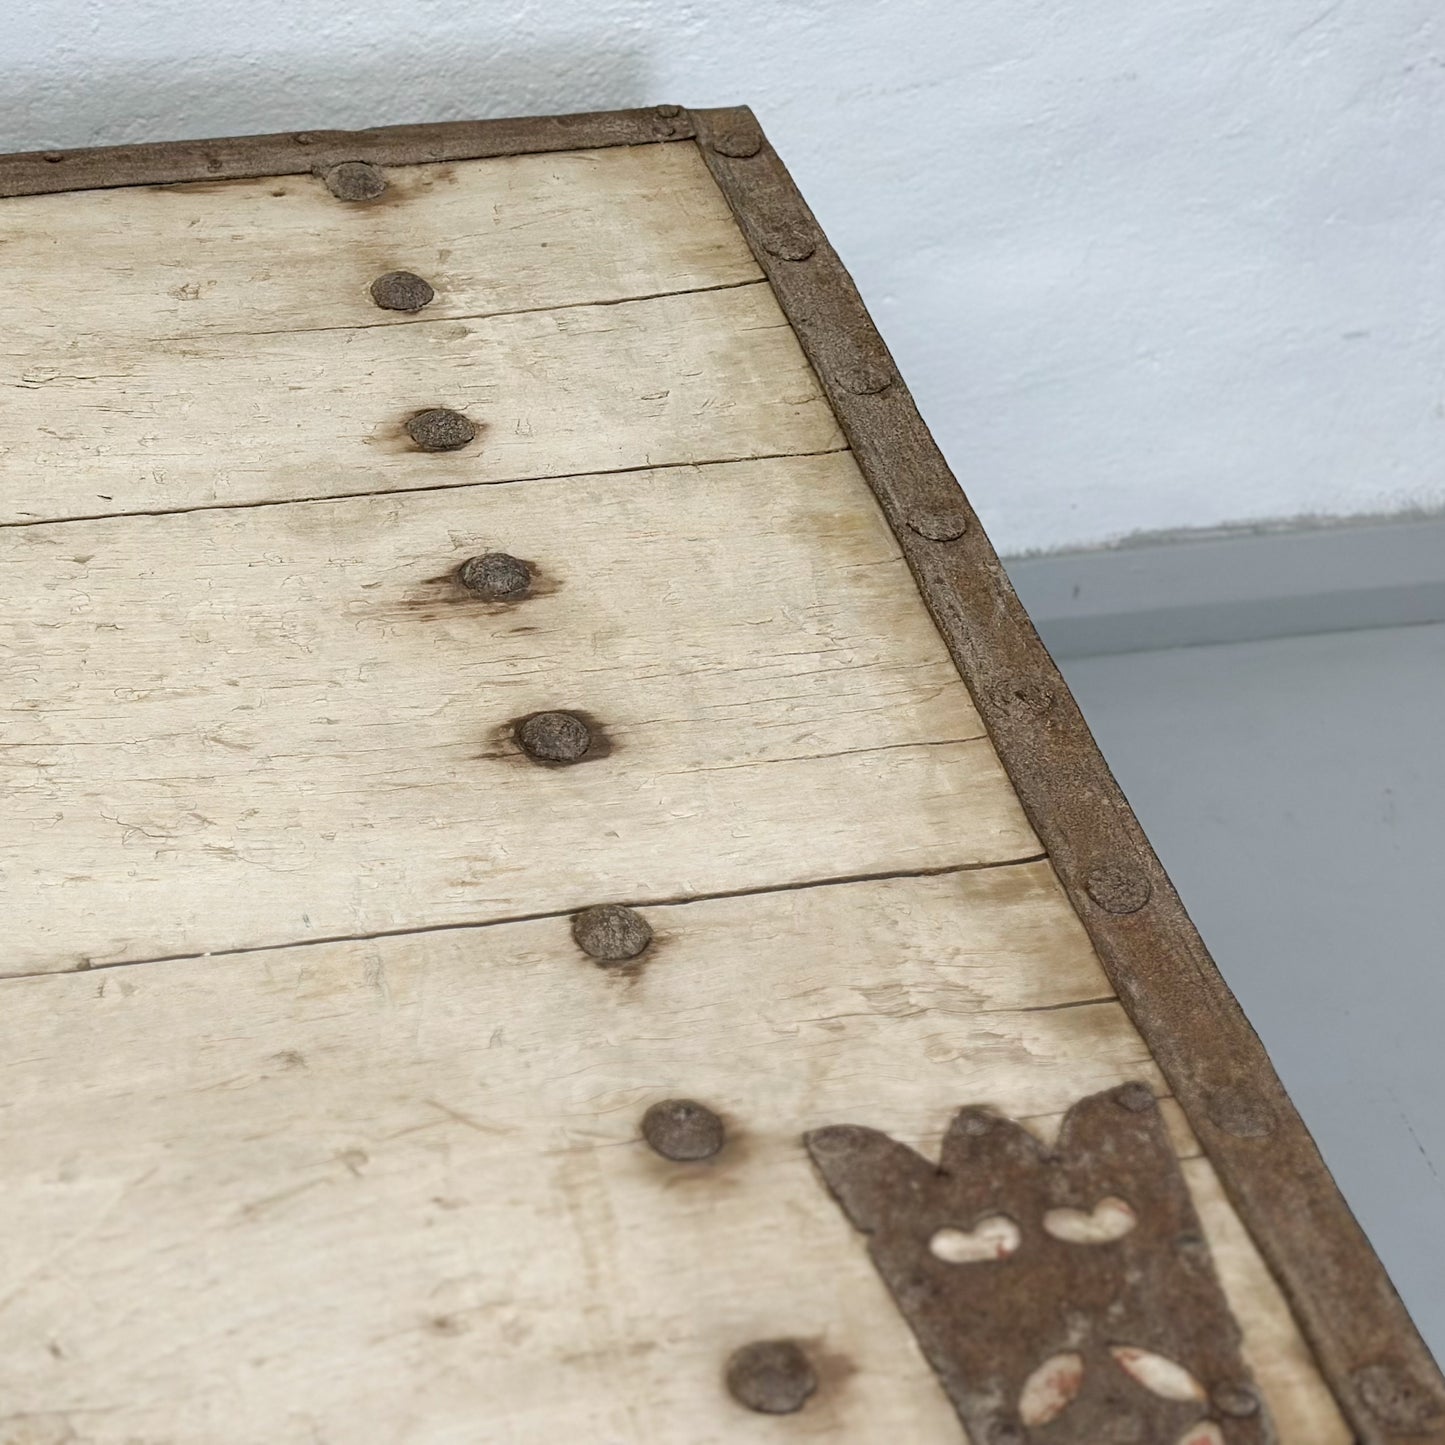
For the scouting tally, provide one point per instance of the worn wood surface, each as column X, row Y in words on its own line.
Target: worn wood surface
column 265, row 256
column 223, row 420
column 257, row 726
column 392, row 1190
column 387, row 1186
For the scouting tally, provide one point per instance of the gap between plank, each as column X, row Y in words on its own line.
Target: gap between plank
column 434, row 487
column 440, row 320
column 680, row 901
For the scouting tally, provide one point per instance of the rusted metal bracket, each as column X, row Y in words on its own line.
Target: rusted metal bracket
column 1064, row 1296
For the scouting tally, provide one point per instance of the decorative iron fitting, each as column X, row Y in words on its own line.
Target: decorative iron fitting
column 1060, row 1296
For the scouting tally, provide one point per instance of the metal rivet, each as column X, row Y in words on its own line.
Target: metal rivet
column 789, row 240
column 611, row 933
column 938, row 526
column 53, row 158
column 862, row 375
column 773, row 1377
column 1395, row 1398
column 683, row 1130
column 973, row 1122
column 1137, row 1098
column 441, row 430
column 1118, row 888
column 402, row 291
column 496, row 576
column 554, row 737
column 355, row 181
column 1235, row 1399
column 740, row 139
column 1241, row 1113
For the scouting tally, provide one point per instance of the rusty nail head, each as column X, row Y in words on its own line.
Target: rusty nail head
column 773, row 1377
column 790, row 241
column 1118, row 888
column 1241, row 1113
column 402, row 291
column 554, row 737
column 740, row 140
column 1137, row 1098
column 440, row 429
column 355, row 181
column 863, row 375
column 496, row 577
column 611, row 933
column 1395, row 1398
column 1236, row 1400
column 938, row 526
column 683, row 1130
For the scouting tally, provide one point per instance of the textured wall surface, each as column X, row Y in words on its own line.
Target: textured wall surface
column 1146, row 267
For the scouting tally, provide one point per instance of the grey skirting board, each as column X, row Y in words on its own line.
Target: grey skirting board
column 1235, row 588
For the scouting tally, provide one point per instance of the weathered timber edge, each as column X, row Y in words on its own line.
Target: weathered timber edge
column 1367, row 1346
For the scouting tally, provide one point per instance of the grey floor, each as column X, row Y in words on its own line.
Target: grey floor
column 1295, row 789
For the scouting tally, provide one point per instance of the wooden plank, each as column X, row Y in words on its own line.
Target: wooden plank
column 281, row 253
column 223, row 420
column 250, row 727
column 1275, row 1350
column 392, row 1189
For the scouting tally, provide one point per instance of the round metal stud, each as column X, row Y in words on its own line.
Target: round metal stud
column 1396, row 1398
column 496, row 577
column 740, row 139
column 355, row 181
column 1118, row 888
column 938, row 526
column 441, row 430
column 1240, row 1112
column 683, row 1130
column 554, row 737
column 863, row 375
column 1137, row 1098
column 1235, row 1399
column 773, row 1377
column 402, row 291
column 611, row 933
column 789, row 240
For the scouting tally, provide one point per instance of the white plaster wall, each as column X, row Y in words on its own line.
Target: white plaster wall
column 1146, row 265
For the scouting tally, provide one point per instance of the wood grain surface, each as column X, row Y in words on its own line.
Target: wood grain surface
column 393, row 1190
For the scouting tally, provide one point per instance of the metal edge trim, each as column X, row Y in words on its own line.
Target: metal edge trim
column 30, row 173
column 1367, row 1347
